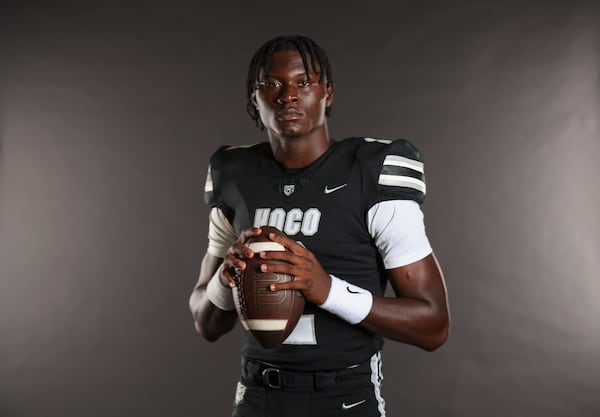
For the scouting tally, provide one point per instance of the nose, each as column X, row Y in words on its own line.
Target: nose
column 288, row 94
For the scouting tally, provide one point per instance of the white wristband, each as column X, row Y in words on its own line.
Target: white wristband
column 218, row 294
column 348, row 301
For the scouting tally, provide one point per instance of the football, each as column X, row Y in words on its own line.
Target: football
column 269, row 316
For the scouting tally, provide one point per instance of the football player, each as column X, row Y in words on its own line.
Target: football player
column 350, row 210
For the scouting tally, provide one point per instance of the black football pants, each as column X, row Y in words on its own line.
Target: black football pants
column 265, row 391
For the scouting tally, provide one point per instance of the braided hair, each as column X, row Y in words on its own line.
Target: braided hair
column 262, row 58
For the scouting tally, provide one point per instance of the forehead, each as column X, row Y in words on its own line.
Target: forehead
column 287, row 62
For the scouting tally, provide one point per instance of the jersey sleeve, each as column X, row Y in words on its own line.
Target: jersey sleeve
column 398, row 231
column 213, row 186
column 212, row 195
column 220, row 233
column 395, row 170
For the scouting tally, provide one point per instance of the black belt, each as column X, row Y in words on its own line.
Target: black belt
column 275, row 377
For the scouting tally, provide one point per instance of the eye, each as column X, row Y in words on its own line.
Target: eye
column 263, row 85
column 304, row 83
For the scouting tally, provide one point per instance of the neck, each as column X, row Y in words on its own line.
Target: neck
column 298, row 152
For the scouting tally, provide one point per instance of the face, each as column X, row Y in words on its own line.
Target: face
column 291, row 104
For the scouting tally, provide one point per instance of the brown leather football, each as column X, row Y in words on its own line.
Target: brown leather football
column 269, row 316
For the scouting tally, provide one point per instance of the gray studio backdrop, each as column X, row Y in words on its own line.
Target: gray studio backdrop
column 110, row 111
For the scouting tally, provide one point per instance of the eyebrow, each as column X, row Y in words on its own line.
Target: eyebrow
column 296, row 75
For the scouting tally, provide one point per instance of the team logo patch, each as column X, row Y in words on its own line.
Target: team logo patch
column 288, row 189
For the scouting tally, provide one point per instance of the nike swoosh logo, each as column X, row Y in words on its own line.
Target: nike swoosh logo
column 352, row 292
column 330, row 190
column 349, row 406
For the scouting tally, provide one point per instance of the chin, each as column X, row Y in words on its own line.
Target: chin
column 291, row 132
column 291, row 135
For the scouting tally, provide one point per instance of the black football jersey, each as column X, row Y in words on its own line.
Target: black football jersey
column 324, row 206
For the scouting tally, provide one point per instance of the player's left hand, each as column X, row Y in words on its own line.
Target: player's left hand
column 309, row 276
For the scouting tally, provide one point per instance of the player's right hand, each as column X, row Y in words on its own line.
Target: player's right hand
column 236, row 255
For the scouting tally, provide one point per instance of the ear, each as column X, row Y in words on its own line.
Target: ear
column 253, row 99
column 329, row 91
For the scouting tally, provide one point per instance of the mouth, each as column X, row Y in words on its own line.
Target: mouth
column 289, row 114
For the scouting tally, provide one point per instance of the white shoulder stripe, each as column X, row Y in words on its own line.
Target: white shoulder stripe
column 401, row 161
column 208, row 186
column 402, row 181
column 385, row 141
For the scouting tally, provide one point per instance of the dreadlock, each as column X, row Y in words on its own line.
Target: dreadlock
column 262, row 58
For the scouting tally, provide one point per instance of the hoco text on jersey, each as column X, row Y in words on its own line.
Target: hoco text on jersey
column 290, row 222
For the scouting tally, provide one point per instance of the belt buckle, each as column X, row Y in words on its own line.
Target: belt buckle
column 272, row 377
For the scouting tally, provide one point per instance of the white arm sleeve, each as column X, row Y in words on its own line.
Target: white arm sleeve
column 220, row 233
column 399, row 232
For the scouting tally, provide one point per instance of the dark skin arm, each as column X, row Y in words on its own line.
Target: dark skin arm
column 418, row 315
column 210, row 321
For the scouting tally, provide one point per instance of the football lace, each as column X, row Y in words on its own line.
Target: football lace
column 239, row 284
